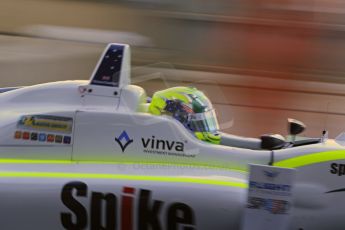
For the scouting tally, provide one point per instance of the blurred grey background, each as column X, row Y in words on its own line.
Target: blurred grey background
column 260, row 61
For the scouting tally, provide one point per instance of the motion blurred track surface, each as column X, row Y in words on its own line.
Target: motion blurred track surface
column 285, row 40
column 247, row 105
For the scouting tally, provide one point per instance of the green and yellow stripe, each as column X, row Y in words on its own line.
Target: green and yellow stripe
column 165, row 179
column 310, row 159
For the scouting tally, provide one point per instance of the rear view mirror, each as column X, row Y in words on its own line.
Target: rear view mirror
column 272, row 141
column 295, row 127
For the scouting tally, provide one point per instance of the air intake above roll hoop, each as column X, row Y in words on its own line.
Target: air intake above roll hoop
column 113, row 68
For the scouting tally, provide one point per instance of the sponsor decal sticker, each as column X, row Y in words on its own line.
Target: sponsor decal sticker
column 124, row 141
column 269, row 198
column 67, row 140
column 58, row 139
column 271, row 174
column 46, row 123
column 42, row 137
column 26, row 136
column 132, row 209
column 272, row 206
column 34, row 136
column 270, row 188
column 161, row 145
column 153, row 145
column 337, row 169
column 18, row 135
column 50, row 138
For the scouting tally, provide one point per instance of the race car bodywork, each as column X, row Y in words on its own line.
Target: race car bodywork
column 86, row 155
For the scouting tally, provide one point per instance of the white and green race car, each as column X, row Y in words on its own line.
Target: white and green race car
column 87, row 155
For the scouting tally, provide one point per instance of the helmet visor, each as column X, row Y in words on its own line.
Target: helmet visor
column 204, row 122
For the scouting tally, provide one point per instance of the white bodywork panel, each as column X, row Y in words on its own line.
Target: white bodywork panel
column 80, row 155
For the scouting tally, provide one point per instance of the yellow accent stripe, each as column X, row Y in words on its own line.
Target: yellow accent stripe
column 310, row 159
column 66, row 162
column 294, row 162
column 60, row 175
column 26, row 161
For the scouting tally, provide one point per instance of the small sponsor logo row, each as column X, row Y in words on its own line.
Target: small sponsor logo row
column 271, row 205
column 42, row 137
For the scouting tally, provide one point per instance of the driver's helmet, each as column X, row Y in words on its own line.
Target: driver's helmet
column 190, row 107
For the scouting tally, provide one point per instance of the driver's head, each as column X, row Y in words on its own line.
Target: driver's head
column 190, row 107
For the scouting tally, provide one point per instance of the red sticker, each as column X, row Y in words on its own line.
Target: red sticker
column 26, row 135
column 51, row 138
